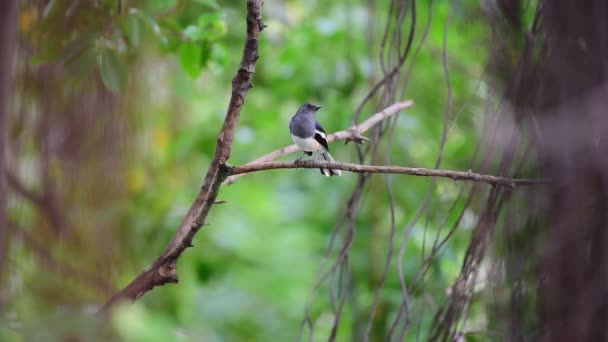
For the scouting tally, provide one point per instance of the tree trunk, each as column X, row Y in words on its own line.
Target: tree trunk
column 8, row 13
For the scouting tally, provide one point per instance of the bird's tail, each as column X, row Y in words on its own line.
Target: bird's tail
column 324, row 155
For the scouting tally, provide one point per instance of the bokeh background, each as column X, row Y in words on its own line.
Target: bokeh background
column 114, row 115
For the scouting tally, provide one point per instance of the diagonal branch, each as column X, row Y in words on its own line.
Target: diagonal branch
column 352, row 134
column 164, row 270
column 413, row 171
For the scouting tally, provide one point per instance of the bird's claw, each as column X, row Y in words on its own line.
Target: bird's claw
column 298, row 161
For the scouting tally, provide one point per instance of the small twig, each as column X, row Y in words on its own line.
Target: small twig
column 351, row 134
column 413, row 171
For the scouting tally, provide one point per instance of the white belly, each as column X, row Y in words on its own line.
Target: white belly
column 306, row 144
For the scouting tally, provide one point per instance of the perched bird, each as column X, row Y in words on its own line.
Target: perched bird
column 310, row 137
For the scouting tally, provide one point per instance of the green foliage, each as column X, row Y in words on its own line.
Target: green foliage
column 113, row 70
column 135, row 29
column 252, row 270
column 112, row 40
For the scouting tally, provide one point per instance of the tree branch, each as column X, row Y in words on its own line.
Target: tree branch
column 164, row 269
column 413, row 171
column 352, row 134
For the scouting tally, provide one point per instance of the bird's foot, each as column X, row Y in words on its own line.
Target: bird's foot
column 299, row 160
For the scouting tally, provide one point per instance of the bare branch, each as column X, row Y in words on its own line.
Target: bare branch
column 164, row 269
column 352, row 134
column 413, row 171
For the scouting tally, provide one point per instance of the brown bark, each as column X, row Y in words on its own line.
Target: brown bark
column 164, row 269
column 413, row 171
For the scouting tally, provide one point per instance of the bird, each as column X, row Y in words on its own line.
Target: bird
column 308, row 134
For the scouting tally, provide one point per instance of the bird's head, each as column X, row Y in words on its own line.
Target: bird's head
column 309, row 107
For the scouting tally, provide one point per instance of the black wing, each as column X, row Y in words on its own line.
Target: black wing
column 320, row 135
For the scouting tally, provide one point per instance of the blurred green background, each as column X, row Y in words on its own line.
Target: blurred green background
column 115, row 121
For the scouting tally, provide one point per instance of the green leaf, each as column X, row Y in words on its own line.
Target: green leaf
column 212, row 26
column 190, row 55
column 135, row 30
column 113, row 70
column 84, row 65
column 78, row 46
column 79, row 56
column 151, row 22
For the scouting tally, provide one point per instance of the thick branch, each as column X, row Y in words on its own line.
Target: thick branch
column 164, row 268
column 414, row 171
column 352, row 134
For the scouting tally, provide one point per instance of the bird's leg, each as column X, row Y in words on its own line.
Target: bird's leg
column 300, row 158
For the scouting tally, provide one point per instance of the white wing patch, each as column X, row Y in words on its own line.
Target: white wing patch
column 321, row 133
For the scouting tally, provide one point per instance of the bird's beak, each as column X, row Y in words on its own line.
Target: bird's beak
column 317, row 107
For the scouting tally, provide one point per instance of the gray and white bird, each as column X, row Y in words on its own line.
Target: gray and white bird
column 308, row 134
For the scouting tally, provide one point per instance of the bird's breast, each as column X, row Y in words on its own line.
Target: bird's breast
column 306, row 144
